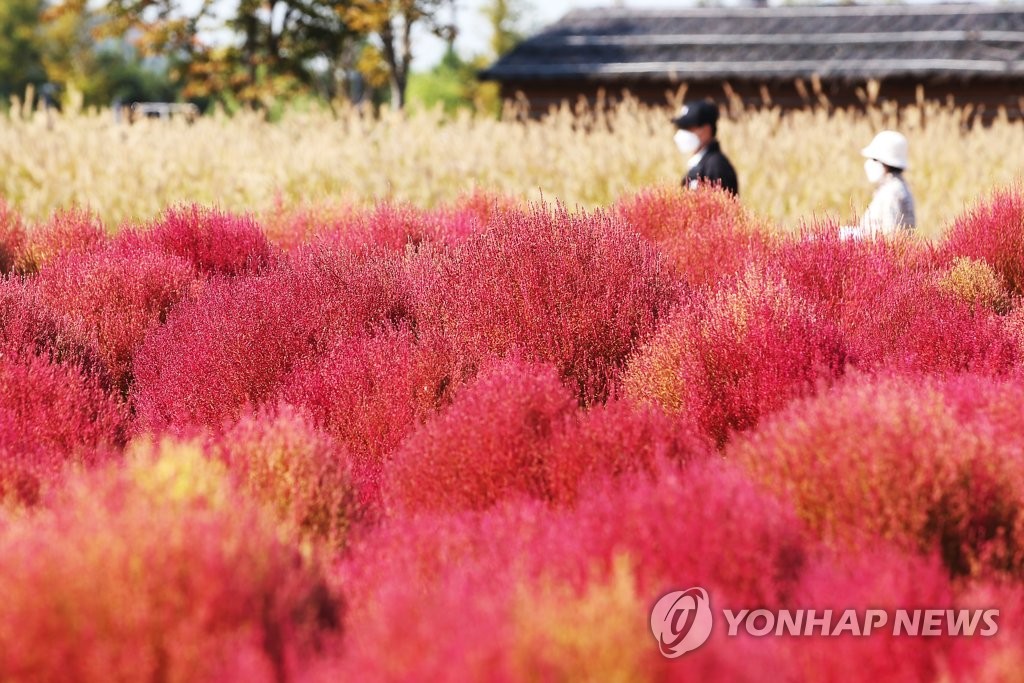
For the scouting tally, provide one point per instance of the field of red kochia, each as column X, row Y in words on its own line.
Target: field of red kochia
column 479, row 442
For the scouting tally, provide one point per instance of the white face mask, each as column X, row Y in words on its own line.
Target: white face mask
column 687, row 142
column 874, row 170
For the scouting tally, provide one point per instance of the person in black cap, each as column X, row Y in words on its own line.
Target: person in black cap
column 698, row 125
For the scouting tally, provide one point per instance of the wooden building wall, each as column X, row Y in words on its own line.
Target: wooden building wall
column 986, row 96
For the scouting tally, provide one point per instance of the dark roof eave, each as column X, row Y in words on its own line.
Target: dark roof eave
column 711, row 71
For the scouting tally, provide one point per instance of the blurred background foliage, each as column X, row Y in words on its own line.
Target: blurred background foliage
column 259, row 54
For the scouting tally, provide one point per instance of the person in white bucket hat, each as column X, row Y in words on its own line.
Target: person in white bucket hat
column 891, row 210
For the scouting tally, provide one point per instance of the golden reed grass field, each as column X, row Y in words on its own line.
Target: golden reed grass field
column 792, row 167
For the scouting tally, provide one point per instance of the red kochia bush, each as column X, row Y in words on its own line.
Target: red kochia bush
column 226, row 349
column 516, row 432
column 50, row 415
column 735, row 354
column 12, row 237
column 875, row 578
column 109, row 298
column 706, row 234
column 347, row 291
column 369, row 392
column 933, row 465
column 67, row 231
column 391, row 225
column 232, row 346
column 296, row 470
column 213, row 241
column 524, row 591
column 618, row 439
column 895, row 306
column 992, row 231
column 154, row 571
column 576, row 290
column 491, row 443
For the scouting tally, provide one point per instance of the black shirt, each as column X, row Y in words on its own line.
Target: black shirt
column 713, row 168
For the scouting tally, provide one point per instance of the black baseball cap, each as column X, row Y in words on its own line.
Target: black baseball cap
column 698, row 113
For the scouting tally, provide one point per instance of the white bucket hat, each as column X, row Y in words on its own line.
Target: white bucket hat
column 890, row 148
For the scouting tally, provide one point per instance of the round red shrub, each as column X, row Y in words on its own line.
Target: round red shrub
column 873, row 578
column 232, row 346
column 705, row 234
column 67, row 231
column 932, row 465
column 737, row 353
column 541, row 588
column 51, row 415
column 492, row 442
column 896, row 304
column 369, row 392
column 156, row 570
column 293, row 469
column 617, row 439
column 577, row 290
column 992, row 231
column 110, row 298
column 213, row 241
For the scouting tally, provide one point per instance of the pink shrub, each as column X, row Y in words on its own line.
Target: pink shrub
column 27, row 328
column 391, row 225
column 912, row 323
column 343, row 291
column 289, row 226
column 576, row 290
column 67, row 231
column 233, row 345
column 874, row 579
column 293, row 469
column 524, row 591
column 471, row 214
column 12, row 238
column 108, row 299
column 386, row 225
column 217, row 354
column 516, row 432
column 705, row 234
column 491, row 443
column 617, row 439
column 213, row 241
column 50, row 415
column 992, row 231
column 932, row 465
column 895, row 306
column 829, row 271
column 125, row 577
column 369, row 392
column 737, row 353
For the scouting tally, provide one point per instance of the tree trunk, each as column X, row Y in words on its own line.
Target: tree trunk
column 397, row 90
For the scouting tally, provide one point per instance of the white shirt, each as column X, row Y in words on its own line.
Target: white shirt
column 890, row 212
column 891, row 208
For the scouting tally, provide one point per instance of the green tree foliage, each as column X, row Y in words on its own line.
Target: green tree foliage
column 282, row 47
column 390, row 23
column 453, row 85
column 504, row 17
column 21, row 58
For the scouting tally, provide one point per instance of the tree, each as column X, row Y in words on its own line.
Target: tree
column 21, row 61
column 504, row 16
column 280, row 42
column 391, row 22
